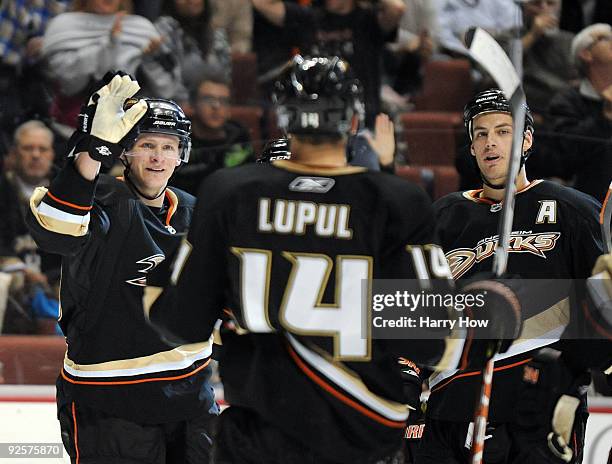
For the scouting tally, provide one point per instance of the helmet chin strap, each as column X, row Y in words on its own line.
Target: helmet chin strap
column 132, row 185
column 489, row 184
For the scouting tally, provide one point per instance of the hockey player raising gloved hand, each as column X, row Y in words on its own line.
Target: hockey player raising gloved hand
column 123, row 394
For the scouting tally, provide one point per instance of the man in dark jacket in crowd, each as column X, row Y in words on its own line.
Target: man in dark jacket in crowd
column 582, row 118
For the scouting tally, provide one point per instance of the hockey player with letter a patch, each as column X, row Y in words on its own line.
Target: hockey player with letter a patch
column 555, row 236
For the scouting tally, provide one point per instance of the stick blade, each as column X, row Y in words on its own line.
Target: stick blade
column 485, row 50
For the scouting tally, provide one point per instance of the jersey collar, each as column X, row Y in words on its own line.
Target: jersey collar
column 292, row 166
column 476, row 195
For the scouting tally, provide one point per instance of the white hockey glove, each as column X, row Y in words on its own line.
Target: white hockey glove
column 105, row 129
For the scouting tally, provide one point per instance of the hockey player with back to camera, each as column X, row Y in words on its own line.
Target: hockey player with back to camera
column 123, row 394
column 282, row 250
column 555, row 237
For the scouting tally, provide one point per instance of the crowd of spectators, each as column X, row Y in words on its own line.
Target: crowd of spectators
column 51, row 51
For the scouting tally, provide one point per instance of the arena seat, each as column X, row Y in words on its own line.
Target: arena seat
column 33, row 360
column 446, row 180
column 250, row 117
column 244, row 78
column 437, row 181
column 431, row 137
column 447, row 86
column 421, row 176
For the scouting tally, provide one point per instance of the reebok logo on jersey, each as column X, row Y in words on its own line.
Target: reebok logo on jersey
column 462, row 260
column 148, row 263
column 104, row 150
column 311, row 184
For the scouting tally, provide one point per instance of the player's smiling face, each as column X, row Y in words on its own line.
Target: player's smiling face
column 492, row 145
column 153, row 160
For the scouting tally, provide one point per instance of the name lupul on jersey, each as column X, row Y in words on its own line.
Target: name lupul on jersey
column 294, row 217
column 461, row 260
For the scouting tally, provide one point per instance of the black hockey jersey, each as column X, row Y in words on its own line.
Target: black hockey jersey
column 284, row 249
column 115, row 361
column 555, row 235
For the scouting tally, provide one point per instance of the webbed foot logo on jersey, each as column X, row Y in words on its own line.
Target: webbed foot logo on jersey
column 148, row 263
column 461, row 260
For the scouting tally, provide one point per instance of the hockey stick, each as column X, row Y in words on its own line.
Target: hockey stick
column 604, row 221
column 488, row 54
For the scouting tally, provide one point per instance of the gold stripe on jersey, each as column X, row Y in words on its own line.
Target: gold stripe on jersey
column 542, row 323
column 539, row 331
column 451, row 358
column 55, row 220
column 149, row 296
column 292, row 166
column 178, row 358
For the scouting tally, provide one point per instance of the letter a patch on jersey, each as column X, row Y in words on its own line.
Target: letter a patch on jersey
column 547, row 213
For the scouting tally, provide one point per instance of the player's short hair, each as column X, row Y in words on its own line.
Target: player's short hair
column 584, row 39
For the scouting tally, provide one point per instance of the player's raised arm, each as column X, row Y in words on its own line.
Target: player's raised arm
column 59, row 216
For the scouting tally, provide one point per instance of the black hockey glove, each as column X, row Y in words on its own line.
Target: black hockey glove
column 497, row 315
column 105, row 130
column 413, row 382
column 547, row 405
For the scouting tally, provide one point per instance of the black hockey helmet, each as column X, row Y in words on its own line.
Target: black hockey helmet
column 318, row 95
column 491, row 101
column 164, row 117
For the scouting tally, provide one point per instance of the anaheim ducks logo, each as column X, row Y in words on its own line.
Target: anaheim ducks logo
column 148, row 263
column 461, row 260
